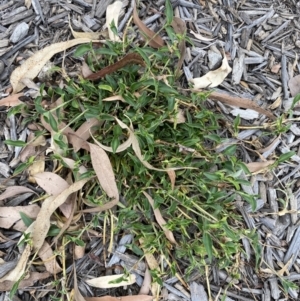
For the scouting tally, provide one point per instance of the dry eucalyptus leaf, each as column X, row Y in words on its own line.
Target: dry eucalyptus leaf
column 85, row 35
column 52, row 183
column 11, row 100
column 155, row 40
column 106, row 281
column 85, row 130
column 32, row 66
column 12, row 191
column 112, row 14
column 200, row 37
column 104, row 171
column 38, row 166
column 146, row 286
column 33, row 277
column 159, row 218
column 213, row 78
column 49, row 259
column 49, row 205
column 85, row 70
column 19, row 270
column 256, row 167
column 10, row 216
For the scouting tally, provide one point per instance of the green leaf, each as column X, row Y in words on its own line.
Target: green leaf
column 169, row 12
column 19, row 143
column 26, row 219
column 82, row 49
column 20, row 168
column 53, row 122
column 105, row 87
column 285, row 157
column 231, row 150
column 208, row 245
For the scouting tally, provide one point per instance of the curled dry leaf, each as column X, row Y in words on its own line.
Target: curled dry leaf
column 146, row 286
column 112, row 15
column 125, row 298
column 49, row 259
column 172, row 176
column 159, row 218
column 33, row 277
column 112, row 281
column 49, row 205
column 11, row 100
column 213, row 78
column 36, row 167
column 128, row 59
column 256, row 167
column 32, row 66
column 155, row 40
column 19, row 270
column 13, row 191
column 85, row 35
column 200, row 37
column 10, row 216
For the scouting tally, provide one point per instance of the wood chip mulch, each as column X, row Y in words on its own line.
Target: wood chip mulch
column 262, row 43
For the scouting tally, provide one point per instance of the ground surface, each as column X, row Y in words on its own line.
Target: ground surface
column 261, row 43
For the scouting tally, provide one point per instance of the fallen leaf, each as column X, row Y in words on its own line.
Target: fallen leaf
column 124, row 298
column 112, row 15
column 10, row 216
column 85, row 70
column 114, row 98
column 32, row 66
column 256, row 167
column 155, row 40
column 146, row 286
column 275, row 68
column 12, row 191
column 106, row 281
column 85, row 35
column 200, row 37
column 179, row 27
column 294, row 85
column 104, row 172
column 213, row 78
column 276, row 103
column 49, row 259
column 172, row 176
column 159, row 218
column 49, row 205
column 11, row 100
column 71, row 135
column 239, row 102
column 33, row 277
column 19, row 270
column 85, row 130
column 79, row 251
column 52, row 183
column 129, row 59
